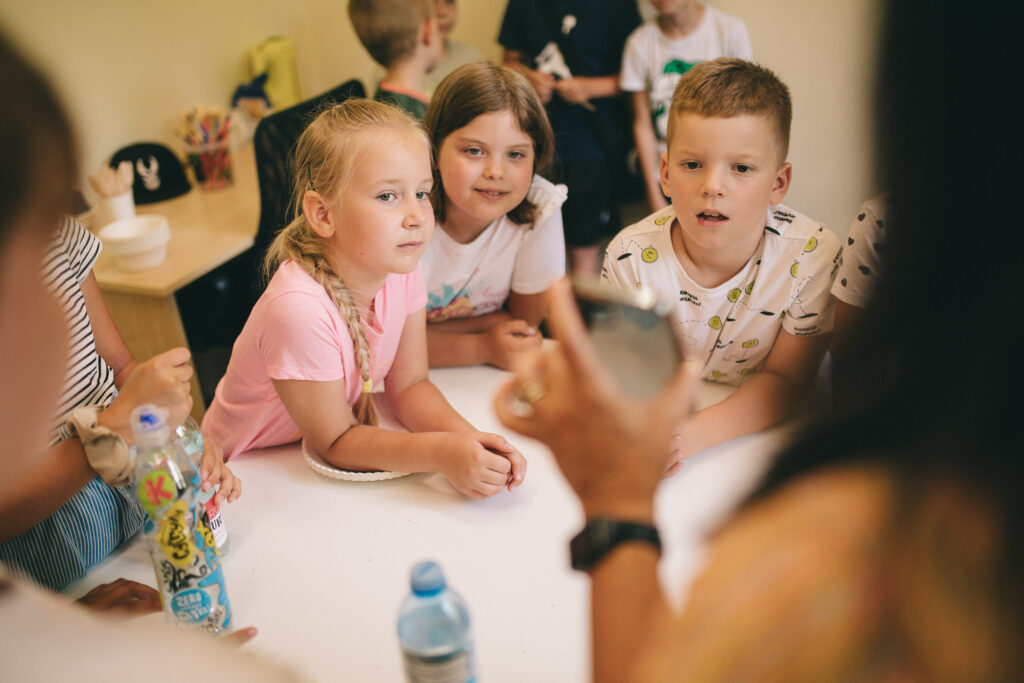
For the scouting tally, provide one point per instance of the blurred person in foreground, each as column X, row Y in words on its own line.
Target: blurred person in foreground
column 886, row 542
column 38, row 169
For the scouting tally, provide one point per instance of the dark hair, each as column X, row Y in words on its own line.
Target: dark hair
column 481, row 88
column 38, row 162
column 942, row 328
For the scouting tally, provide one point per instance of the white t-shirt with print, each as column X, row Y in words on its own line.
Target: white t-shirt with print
column 861, row 264
column 465, row 280
column 653, row 63
column 732, row 328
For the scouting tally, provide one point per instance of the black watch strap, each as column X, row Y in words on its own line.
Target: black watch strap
column 602, row 534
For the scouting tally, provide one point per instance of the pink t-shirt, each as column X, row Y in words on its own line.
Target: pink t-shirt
column 295, row 332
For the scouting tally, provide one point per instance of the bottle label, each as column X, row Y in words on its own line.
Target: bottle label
column 455, row 667
column 220, row 532
column 155, row 490
column 192, row 606
column 174, row 537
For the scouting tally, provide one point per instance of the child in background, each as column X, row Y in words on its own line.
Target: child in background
column 500, row 246
column 344, row 313
column 657, row 54
column 859, row 271
column 750, row 276
column 403, row 37
column 455, row 53
column 582, row 41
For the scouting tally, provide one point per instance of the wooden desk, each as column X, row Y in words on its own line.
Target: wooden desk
column 320, row 566
column 208, row 228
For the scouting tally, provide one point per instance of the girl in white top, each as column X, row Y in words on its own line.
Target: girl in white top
column 344, row 315
column 500, row 247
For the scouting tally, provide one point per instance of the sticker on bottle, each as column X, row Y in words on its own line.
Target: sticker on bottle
column 174, row 537
column 155, row 490
column 191, row 606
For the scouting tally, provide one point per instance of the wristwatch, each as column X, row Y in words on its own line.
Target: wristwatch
column 602, row 534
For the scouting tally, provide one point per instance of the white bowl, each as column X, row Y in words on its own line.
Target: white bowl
column 137, row 243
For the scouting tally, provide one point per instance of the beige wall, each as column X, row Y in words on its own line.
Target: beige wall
column 128, row 68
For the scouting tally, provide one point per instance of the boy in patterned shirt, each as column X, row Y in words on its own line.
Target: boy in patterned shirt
column 749, row 276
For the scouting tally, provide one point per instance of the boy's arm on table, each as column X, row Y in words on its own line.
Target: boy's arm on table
column 109, row 343
column 766, row 398
column 647, row 149
column 492, row 339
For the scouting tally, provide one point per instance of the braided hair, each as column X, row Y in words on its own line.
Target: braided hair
column 325, row 158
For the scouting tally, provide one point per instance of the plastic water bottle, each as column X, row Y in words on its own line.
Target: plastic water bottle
column 433, row 628
column 188, row 568
column 190, row 438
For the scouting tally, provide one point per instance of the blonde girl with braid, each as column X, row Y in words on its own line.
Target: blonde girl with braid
column 344, row 316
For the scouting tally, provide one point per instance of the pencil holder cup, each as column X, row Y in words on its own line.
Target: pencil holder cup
column 211, row 164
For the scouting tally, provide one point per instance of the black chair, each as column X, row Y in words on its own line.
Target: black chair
column 215, row 307
column 275, row 140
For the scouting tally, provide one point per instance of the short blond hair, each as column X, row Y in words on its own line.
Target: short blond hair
column 325, row 159
column 388, row 28
column 727, row 87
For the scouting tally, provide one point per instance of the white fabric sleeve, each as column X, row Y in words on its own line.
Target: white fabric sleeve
column 860, row 265
column 811, row 307
column 633, row 76
column 541, row 258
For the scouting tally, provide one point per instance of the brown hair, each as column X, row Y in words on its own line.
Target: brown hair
column 38, row 155
column 388, row 28
column 326, row 156
column 727, row 87
column 481, row 88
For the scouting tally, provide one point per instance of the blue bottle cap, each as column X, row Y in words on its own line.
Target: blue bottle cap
column 426, row 579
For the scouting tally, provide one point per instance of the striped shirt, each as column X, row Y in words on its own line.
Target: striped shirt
column 96, row 520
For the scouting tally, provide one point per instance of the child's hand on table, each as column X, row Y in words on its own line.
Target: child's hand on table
column 124, row 597
column 507, row 340
column 480, row 464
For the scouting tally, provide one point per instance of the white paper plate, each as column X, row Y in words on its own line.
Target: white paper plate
column 321, row 466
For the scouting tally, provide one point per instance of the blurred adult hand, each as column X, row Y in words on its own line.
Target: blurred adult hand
column 613, row 450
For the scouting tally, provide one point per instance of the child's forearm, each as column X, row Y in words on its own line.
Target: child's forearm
column 456, row 349
column 462, row 341
column 763, row 401
column 423, row 408
column 476, row 323
column 364, row 448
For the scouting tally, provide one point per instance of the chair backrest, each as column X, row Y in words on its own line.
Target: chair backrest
column 274, row 141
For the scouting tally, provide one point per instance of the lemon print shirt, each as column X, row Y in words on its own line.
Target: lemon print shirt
column 732, row 327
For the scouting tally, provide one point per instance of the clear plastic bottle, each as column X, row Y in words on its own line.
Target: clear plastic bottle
column 190, row 438
column 188, row 568
column 433, row 629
